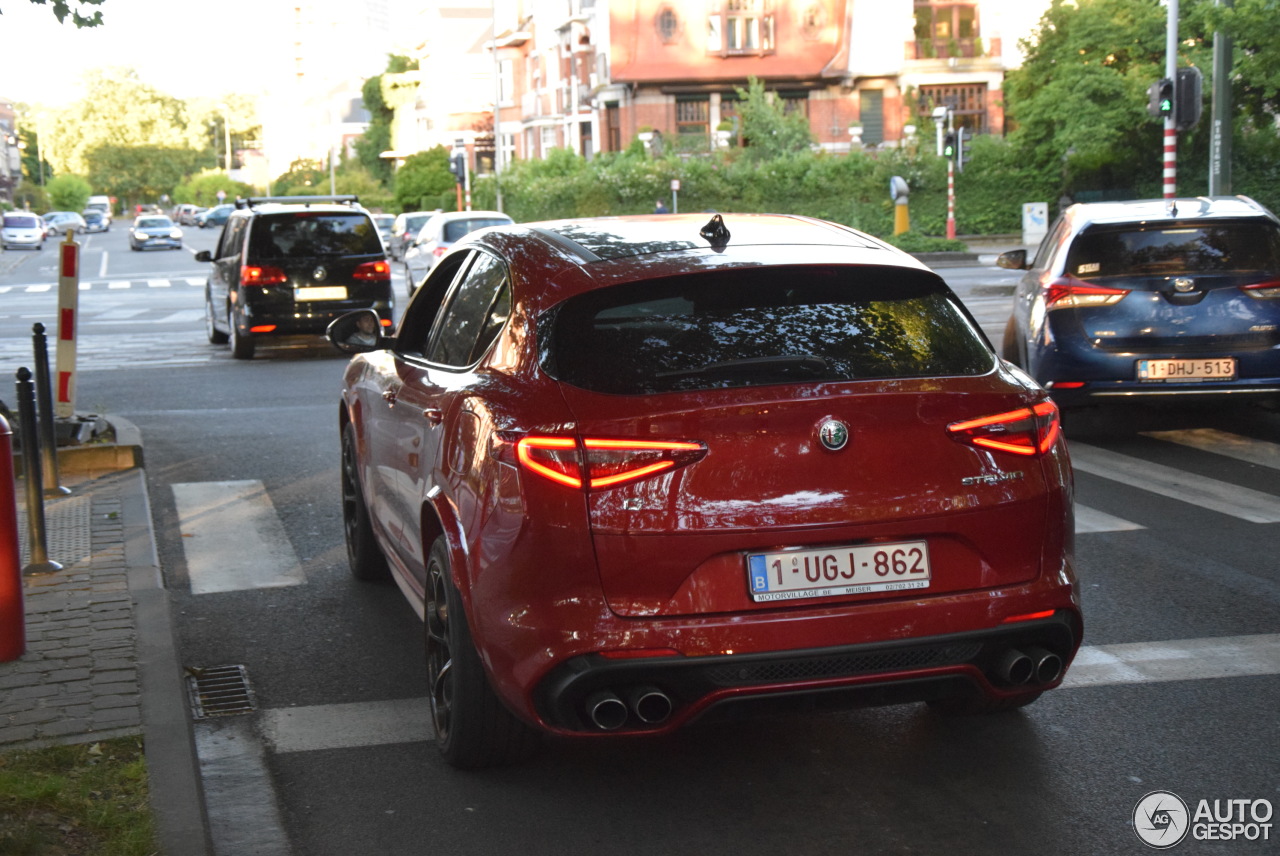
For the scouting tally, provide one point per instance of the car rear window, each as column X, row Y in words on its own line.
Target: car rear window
column 752, row 327
column 1162, row 250
column 314, row 233
column 19, row 221
column 455, row 229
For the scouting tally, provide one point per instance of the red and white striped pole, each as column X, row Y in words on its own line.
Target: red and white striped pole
column 1170, row 123
column 1170, row 159
column 951, row 199
column 64, row 397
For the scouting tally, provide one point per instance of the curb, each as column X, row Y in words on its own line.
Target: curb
column 175, row 788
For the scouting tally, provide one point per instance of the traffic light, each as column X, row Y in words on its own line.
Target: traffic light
column 458, row 166
column 949, row 146
column 964, row 139
column 1188, row 97
column 1160, row 98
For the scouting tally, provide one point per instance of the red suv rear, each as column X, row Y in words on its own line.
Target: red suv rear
column 634, row 471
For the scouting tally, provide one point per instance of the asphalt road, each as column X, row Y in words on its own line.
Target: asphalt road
column 335, row 759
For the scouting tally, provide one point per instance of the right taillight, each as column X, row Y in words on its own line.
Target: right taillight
column 264, row 275
column 1068, row 291
column 1026, row 431
column 1269, row 290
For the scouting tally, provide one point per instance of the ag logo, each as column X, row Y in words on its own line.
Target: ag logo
column 834, row 434
column 1161, row 819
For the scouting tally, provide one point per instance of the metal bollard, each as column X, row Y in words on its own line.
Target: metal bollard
column 13, row 638
column 44, row 401
column 37, row 537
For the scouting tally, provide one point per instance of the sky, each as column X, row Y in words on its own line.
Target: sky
column 184, row 49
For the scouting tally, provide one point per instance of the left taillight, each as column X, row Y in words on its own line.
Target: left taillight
column 1027, row 431
column 373, row 271
column 599, row 463
column 1066, row 292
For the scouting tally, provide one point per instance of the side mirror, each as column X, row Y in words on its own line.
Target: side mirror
column 358, row 332
column 1012, row 260
column 204, row 256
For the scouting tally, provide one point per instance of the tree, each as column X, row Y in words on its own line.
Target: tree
column 35, row 168
column 377, row 137
column 140, row 173
column 1077, row 106
column 768, row 128
column 1256, row 54
column 62, row 8
column 118, row 110
column 425, row 183
column 68, row 192
column 305, row 177
column 203, row 189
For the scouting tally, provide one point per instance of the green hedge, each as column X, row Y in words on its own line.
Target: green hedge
column 851, row 189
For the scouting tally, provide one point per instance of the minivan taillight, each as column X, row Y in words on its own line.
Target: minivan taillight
column 1025, row 431
column 264, row 275
column 603, row 462
column 373, row 271
column 1068, row 291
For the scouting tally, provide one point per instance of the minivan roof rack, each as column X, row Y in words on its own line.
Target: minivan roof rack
column 249, row 202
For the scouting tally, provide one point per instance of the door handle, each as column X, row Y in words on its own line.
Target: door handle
column 390, row 395
column 434, row 415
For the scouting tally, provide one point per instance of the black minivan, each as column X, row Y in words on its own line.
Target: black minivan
column 288, row 265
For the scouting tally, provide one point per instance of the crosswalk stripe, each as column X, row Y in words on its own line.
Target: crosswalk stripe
column 376, row 723
column 1245, row 449
column 232, row 538
column 1183, row 660
column 1224, row 497
column 159, row 283
column 1092, row 520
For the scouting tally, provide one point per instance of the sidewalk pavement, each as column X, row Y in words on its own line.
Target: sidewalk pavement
column 101, row 661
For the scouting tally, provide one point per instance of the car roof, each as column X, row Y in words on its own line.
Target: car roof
column 582, row 255
column 1158, row 210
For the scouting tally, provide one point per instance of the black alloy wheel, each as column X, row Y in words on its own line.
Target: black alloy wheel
column 472, row 726
column 242, row 344
column 364, row 557
column 216, row 336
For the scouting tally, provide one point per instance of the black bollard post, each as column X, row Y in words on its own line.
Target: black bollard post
column 37, row 537
column 44, row 402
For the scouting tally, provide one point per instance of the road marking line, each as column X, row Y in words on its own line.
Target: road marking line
column 159, row 283
column 119, row 285
column 102, row 267
column 376, row 723
column 233, row 538
column 1245, row 449
column 195, row 282
column 1181, row 660
column 344, row 726
column 1251, row 505
column 1092, row 520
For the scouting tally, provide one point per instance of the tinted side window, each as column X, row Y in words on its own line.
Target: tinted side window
column 232, row 237
column 458, row 334
column 761, row 326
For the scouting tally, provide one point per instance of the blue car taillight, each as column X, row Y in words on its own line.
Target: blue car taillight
column 1068, row 292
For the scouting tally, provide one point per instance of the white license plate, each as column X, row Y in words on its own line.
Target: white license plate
column 324, row 292
column 796, row 574
column 1209, row 369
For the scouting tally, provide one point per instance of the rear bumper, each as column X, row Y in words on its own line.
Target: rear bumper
column 308, row 318
column 892, row 672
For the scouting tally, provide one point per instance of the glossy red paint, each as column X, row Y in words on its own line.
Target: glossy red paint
column 598, row 537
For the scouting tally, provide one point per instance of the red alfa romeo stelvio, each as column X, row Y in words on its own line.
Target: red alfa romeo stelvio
column 634, row 471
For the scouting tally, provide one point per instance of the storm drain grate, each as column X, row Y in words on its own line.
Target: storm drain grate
column 220, row 691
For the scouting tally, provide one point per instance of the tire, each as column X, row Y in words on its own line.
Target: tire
column 979, row 705
column 472, row 727
column 242, row 344
column 216, row 336
column 363, row 555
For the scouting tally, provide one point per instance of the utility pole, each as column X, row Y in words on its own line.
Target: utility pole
column 1220, row 124
column 1170, row 128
